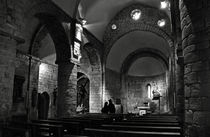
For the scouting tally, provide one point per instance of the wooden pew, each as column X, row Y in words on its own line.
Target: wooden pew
column 36, row 129
column 46, row 130
column 9, row 131
column 87, row 122
column 145, row 123
column 121, row 133
column 72, row 128
column 13, row 129
column 152, row 120
column 143, row 128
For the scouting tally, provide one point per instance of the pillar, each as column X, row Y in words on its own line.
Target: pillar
column 96, row 97
column 180, row 87
column 7, row 70
column 195, row 22
column 67, row 89
column 8, row 42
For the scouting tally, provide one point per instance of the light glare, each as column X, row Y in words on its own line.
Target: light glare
column 164, row 4
column 136, row 14
column 161, row 23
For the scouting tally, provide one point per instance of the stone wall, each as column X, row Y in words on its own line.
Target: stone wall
column 7, row 67
column 137, row 92
column 133, row 92
column 92, row 69
column 195, row 22
column 9, row 39
column 48, row 83
column 22, row 69
column 113, row 86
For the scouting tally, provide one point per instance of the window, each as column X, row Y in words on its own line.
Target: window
column 136, row 14
column 149, row 91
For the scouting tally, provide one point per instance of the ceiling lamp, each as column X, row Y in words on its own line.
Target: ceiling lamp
column 164, row 4
column 114, row 26
column 84, row 22
column 161, row 23
column 136, row 14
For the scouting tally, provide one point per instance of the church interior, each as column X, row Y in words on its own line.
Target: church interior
column 104, row 68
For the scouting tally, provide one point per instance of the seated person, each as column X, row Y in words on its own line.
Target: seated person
column 111, row 107
column 105, row 109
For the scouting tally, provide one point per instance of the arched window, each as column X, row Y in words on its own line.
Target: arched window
column 149, row 91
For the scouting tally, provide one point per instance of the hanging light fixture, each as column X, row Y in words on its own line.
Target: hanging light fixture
column 164, row 4
column 114, row 26
column 161, row 23
column 84, row 22
column 136, row 14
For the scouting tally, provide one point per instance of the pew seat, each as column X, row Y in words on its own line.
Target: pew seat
column 116, row 133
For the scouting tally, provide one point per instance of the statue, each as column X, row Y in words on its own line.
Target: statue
column 156, row 94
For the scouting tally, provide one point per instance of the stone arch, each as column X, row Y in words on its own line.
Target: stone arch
column 47, row 7
column 125, row 78
column 144, row 52
column 33, row 24
column 126, row 25
column 39, row 34
column 147, row 22
column 52, row 25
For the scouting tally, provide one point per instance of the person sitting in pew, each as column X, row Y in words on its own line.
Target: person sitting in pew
column 105, row 109
column 111, row 107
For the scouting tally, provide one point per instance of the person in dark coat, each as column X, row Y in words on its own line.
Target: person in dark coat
column 105, row 109
column 111, row 107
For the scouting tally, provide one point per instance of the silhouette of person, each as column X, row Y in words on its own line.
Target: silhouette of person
column 105, row 109
column 111, row 107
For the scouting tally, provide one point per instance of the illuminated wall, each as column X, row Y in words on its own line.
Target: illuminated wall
column 47, row 83
column 137, row 92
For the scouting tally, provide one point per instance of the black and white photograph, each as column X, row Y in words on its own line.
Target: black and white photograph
column 104, row 68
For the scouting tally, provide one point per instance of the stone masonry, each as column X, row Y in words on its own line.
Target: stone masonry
column 195, row 43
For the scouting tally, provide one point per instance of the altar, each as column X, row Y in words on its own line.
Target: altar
column 143, row 110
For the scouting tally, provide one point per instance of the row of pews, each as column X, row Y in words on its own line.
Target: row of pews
column 147, row 126
column 97, row 125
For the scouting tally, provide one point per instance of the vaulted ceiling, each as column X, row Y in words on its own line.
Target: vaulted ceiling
column 98, row 14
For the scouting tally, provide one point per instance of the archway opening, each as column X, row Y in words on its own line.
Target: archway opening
column 146, row 85
column 143, row 59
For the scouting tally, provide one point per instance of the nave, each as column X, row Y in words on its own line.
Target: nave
column 62, row 59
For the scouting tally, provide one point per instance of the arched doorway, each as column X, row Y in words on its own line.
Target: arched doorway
column 43, row 105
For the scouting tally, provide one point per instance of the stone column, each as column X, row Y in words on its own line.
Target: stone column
column 8, row 42
column 67, row 91
column 195, row 22
column 96, row 97
column 7, row 70
column 180, row 87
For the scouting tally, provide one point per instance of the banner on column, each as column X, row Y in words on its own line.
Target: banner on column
column 76, row 44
